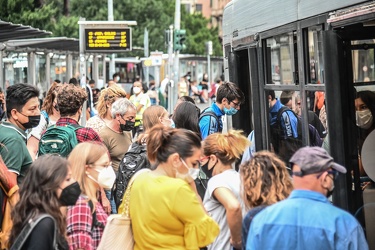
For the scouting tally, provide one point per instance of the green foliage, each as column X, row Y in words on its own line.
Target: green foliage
column 155, row 15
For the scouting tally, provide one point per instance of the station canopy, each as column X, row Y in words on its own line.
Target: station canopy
column 18, row 37
column 10, row 31
column 50, row 44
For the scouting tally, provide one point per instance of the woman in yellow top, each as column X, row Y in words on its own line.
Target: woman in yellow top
column 164, row 206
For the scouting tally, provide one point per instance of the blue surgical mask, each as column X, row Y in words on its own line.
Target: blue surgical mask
column 173, row 125
column 231, row 111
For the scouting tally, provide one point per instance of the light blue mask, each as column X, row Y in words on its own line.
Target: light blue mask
column 231, row 111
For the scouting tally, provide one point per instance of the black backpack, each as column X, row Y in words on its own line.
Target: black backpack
column 283, row 141
column 135, row 159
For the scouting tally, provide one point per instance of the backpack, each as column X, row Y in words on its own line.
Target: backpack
column 134, row 160
column 59, row 140
column 211, row 113
column 8, row 199
column 283, row 141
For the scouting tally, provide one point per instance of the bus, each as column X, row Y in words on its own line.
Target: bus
column 131, row 69
column 310, row 48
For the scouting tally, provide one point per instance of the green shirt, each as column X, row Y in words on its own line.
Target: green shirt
column 13, row 150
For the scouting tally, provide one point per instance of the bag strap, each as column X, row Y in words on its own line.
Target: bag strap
column 26, row 231
column 95, row 222
column 126, row 200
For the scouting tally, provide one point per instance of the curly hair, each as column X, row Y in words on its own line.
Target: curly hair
column 228, row 147
column 265, row 180
column 50, row 97
column 38, row 193
column 108, row 97
column 70, row 98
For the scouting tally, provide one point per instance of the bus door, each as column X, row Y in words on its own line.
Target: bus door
column 349, row 53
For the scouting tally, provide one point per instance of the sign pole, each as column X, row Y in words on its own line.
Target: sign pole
column 173, row 95
column 82, row 67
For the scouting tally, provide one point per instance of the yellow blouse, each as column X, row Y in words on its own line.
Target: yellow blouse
column 166, row 214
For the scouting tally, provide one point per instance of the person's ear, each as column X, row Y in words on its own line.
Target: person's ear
column 14, row 114
column 175, row 160
column 325, row 180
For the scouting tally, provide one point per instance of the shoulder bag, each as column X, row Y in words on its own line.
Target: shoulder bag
column 118, row 233
column 26, row 231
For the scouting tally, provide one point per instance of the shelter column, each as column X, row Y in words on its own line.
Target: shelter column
column 31, row 68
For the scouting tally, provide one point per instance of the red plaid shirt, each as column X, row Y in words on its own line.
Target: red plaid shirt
column 83, row 134
column 80, row 233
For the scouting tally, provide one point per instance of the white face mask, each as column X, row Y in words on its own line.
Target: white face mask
column 106, row 177
column 364, row 119
column 136, row 90
column 192, row 172
column 117, row 78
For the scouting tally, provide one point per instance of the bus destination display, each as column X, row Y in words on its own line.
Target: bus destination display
column 103, row 40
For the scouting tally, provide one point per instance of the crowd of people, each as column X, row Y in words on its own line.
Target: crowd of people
column 193, row 197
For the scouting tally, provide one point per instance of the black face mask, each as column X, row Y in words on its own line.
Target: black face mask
column 128, row 126
column 208, row 172
column 70, row 194
column 33, row 121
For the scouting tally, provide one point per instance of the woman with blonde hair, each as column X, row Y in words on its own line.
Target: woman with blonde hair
column 49, row 115
column 164, row 208
column 222, row 198
column 265, row 181
column 107, row 97
column 92, row 169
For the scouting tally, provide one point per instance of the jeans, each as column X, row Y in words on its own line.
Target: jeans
column 108, row 193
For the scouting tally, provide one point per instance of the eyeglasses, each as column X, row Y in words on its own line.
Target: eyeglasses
column 333, row 172
column 102, row 165
column 236, row 105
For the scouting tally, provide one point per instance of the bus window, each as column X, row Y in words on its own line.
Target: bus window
column 281, row 62
column 315, row 58
column 363, row 60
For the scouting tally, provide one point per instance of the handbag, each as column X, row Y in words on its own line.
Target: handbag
column 118, row 234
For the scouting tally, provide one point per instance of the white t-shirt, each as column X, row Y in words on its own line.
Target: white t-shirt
column 228, row 179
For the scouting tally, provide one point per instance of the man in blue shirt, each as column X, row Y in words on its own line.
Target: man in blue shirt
column 228, row 100
column 307, row 220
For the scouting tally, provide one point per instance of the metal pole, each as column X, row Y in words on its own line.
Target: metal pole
column 82, row 67
column 173, row 94
column 2, row 82
column 48, row 71
column 104, row 72
column 31, row 68
column 69, row 66
column 209, row 53
column 170, row 63
column 112, row 66
column 95, row 69
column 146, row 54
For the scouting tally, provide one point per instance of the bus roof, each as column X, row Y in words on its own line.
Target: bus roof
column 243, row 18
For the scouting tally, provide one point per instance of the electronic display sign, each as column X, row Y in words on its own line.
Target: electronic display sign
column 108, row 39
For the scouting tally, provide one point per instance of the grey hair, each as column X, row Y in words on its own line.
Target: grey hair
column 121, row 106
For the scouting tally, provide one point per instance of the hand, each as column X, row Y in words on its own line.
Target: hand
column 236, row 244
column 105, row 202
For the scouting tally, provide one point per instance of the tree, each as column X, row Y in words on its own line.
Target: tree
column 61, row 17
column 197, row 34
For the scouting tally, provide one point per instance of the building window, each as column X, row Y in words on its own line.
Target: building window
column 198, row 8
